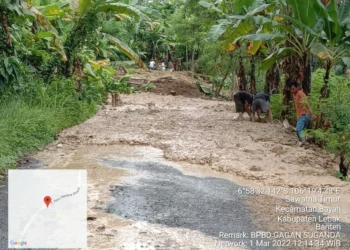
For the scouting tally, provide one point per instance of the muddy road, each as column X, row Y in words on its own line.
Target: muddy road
column 164, row 173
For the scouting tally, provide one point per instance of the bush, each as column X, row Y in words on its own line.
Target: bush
column 336, row 110
column 276, row 105
column 340, row 176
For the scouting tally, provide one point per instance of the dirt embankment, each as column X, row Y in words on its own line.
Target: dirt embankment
column 168, row 83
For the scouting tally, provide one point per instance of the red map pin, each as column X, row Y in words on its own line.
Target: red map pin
column 47, row 200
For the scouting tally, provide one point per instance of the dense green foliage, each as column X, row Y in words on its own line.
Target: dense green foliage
column 54, row 67
column 33, row 117
column 336, row 109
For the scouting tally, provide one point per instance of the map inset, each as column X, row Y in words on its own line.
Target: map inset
column 47, row 209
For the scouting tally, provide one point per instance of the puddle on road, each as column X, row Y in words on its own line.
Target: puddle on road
column 109, row 231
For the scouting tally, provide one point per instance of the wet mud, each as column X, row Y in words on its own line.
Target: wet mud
column 163, row 171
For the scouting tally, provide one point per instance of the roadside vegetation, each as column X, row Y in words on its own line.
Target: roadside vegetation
column 59, row 59
column 54, row 68
column 33, row 117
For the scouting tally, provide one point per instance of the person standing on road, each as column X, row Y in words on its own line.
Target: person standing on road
column 152, row 64
column 242, row 100
column 171, row 66
column 159, row 65
column 303, row 110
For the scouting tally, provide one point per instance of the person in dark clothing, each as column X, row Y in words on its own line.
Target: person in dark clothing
column 261, row 105
column 243, row 100
column 263, row 96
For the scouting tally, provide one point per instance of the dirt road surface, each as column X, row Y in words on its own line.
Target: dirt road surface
column 163, row 173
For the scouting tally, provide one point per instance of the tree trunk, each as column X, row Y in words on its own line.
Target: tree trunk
column 78, row 75
column 242, row 76
column 186, row 57
column 169, row 56
column 233, row 80
column 325, row 92
column 192, row 62
column 154, row 53
column 252, row 77
column 34, row 26
column 273, row 80
column 6, row 43
column 306, row 78
column 175, row 59
column 6, row 28
column 306, row 82
column 343, row 167
column 296, row 69
column 223, row 81
column 115, row 99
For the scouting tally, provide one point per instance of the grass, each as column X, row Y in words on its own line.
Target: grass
column 340, row 176
column 29, row 121
column 276, row 105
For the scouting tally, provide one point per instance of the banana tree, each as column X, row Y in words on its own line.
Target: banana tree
column 333, row 45
column 88, row 16
column 231, row 28
column 294, row 26
column 14, row 26
column 41, row 16
column 291, row 27
column 318, row 30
